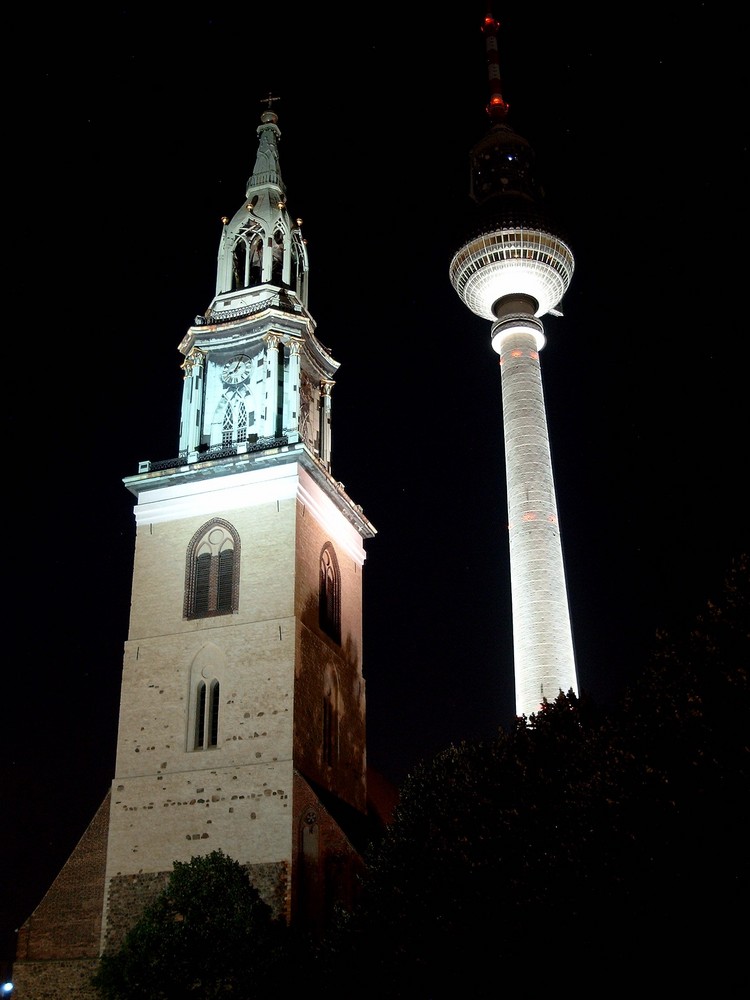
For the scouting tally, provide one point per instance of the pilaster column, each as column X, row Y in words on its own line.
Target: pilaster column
column 326, row 386
column 272, row 385
column 191, row 419
column 292, row 400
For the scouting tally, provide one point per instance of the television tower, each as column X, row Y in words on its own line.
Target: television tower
column 513, row 268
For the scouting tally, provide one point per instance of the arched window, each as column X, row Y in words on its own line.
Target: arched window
column 207, row 715
column 234, row 418
column 329, row 598
column 247, row 258
column 204, row 711
column 241, row 422
column 212, row 571
column 227, row 431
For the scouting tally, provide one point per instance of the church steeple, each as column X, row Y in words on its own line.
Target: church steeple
column 262, row 244
column 256, row 376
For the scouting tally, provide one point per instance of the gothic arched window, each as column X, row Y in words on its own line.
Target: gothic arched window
column 203, row 709
column 207, row 715
column 247, row 258
column 227, row 431
column 234, row 418
column 212, row 571
column 329, row 598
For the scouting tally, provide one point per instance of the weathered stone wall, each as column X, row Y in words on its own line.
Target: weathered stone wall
column 266, row 526
column 55, row 980
column 129, row 895
column 127, row 898
column 171, row 801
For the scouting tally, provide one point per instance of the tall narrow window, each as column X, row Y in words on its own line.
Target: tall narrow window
column 213, row 715
column 228, row 429
column 329, row 602
column 212, row 571
column 206, row 715
column 241, row 422
column 205, row 721
column 200, row 716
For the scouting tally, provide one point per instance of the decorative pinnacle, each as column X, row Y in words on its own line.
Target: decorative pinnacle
column 497, row 109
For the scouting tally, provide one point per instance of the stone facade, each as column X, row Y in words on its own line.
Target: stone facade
column 55, row 980
column 284, row 789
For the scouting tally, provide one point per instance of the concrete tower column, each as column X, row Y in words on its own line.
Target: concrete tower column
column 542, row 635
column 514, row 267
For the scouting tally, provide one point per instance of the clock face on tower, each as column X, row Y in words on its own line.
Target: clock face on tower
column 236, row 370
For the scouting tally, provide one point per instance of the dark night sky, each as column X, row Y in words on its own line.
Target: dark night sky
column 139, row 134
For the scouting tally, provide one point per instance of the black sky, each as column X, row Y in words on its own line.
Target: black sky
column 134, row 132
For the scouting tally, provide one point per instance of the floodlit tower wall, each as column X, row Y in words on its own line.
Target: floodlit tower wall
column 542, row 636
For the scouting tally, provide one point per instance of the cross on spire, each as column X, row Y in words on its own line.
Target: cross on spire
column 269, row 100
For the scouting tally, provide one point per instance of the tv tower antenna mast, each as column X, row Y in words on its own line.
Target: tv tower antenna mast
column 513, row 268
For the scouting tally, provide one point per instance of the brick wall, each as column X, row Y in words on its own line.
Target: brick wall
column 58, row 945
column 55, row 980
column 67, row 922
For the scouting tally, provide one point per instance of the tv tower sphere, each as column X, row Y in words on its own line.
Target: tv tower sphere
column 513, row 268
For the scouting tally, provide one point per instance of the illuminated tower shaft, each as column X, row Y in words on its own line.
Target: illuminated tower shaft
column 542, row 637
column 512, row 268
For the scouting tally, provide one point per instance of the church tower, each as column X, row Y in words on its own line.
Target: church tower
column 514, row 267
column 242, row 720
column 242, row 711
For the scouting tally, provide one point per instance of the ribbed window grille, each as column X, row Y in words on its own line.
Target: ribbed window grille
column 202, row 584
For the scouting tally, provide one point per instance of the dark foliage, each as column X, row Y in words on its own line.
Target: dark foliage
column 208, row 935
column 611, row 849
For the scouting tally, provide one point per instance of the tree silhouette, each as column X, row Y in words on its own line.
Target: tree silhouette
column 606, row 847
column 208, row 935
